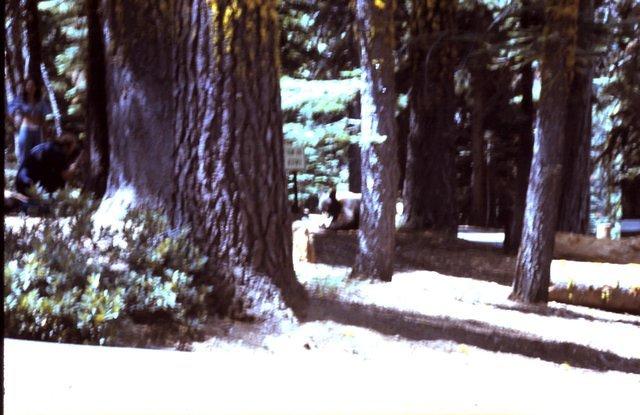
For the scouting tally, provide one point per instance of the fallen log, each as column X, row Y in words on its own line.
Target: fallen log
column 589, row 248
column 617, row 299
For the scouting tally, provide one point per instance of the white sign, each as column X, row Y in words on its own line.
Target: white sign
column 293, row 157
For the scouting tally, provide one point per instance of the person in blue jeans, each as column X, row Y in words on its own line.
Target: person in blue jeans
column 29, row 110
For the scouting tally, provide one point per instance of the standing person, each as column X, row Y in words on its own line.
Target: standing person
column 29, row 110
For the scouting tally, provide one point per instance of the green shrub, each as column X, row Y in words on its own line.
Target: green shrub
column 66, row 282
column 42, row 304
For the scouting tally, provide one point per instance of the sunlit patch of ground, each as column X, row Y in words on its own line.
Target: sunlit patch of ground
column 426, row 342
column 408, row 378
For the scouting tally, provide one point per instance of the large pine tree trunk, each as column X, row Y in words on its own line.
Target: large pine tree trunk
column 513, row 233
column 96, row 123
column 430, row 179
column 574, row 204
column 139, row 74
column 545, row 180
column 195, row 127
column 231, row 182
column 376, row 235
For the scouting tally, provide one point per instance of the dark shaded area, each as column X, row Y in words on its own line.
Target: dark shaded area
column 493, row 338
column 355, row 161
column 424, row 251
column 543, row 310
column 630, row 198
column 96, row 119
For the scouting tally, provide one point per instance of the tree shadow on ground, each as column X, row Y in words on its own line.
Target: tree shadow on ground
column 486, row 336
column 547, row 311
column 424, row 251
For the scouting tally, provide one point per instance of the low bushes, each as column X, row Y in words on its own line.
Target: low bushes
column 64, row 281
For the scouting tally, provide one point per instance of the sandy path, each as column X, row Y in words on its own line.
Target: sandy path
column 49, row 379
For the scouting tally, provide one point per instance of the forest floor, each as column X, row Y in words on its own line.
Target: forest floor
column 446, row 341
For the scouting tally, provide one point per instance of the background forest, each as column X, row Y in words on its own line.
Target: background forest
column 480, row 62
column 496, row 41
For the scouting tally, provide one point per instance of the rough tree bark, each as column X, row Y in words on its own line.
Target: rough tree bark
column 574, row 204
column 96, row 123
column 513, row 234
column 139, row 76
column 531, row 282
column 231, row 162
column 376, row 234
column 195, row 128
column 430, row 178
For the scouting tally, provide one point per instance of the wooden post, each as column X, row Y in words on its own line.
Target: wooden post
column 296, row 207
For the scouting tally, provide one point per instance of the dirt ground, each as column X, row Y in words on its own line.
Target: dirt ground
column 441, row 337
column 423, row 311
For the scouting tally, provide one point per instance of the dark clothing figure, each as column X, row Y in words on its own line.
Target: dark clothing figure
column 45, row 165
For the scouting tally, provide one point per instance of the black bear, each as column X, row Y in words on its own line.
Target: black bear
column 343, row 208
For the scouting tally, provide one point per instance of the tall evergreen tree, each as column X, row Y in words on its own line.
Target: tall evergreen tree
column 545, row 180
column 376, row 236
column 430, row 179
column 195, row 127
column 574, row 203
column 524, row 152
column 478, row 64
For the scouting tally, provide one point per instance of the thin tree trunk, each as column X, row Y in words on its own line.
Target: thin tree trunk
column 545, row 180
column 96, row 123
column 574, row 204
column 3, row 107
column 513, row 233
column 55, row 109
column 14, row 60
column 376, row 235
column 479, row 213
column 430, row 180
column 33, row 40
column 355, row 162
column 402, row 125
